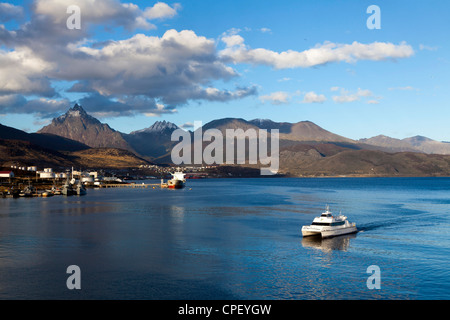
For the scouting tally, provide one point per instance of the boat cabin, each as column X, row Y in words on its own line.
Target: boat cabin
column 329, row 224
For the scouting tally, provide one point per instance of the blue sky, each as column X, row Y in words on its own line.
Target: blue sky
column 197, row 60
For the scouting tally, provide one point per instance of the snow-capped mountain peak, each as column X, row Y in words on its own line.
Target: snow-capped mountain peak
column 158, row 127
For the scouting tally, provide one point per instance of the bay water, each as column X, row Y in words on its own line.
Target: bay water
column 231, row 239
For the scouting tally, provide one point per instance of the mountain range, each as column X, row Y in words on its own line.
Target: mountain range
column 305, row 148
column 415, row 144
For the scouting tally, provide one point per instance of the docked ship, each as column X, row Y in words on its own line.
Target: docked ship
column 28, row 191
column 327, row 225
column 67, row 189
column 80, row 189
column 177, row 182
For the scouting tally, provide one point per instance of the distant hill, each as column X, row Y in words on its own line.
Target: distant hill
column 229, row 123
column 284, row 127
column 49, row 141
column 300, row 131
column 428, row 145
column 414, row 144
column 77, row 125
column 107, row 158
column 363, row 163
column 26, row 153
column 309, row 131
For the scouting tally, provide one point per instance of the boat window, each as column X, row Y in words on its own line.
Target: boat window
column 332, row 224
column 321, row 224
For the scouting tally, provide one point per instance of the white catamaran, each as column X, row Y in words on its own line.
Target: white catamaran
column 328, row 226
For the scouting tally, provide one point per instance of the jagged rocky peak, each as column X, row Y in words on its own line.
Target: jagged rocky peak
column 77, row 125
column 158, row 126
column 76, row 111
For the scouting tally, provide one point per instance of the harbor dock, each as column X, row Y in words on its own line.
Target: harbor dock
column 130, row 185
column 42, row 193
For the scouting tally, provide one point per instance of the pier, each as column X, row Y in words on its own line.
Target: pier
column 130, row 185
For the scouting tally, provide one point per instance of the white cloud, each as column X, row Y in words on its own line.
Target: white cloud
column 174, row 68
column 406, row 88
column 347, row 96
column 284, row 79
column 265, row 30
column 279, row 97
column 187, row 125
column 321, row 54
column 21, row 72
column 312, row 97
column 113, row 12
column 282, row 97
column 128, row 76
column 159, row 110
column 428, row 48
column 161, row 10
column 233, row 40
column 364, row 93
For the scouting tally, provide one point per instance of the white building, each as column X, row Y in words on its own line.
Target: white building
column 94, row 174
column 6, row 174
column 46, row 175
column 89, row 179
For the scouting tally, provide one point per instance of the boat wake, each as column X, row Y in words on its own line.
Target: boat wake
column 391, row 223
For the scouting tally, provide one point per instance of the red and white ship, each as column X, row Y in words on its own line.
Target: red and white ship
column 177, row 182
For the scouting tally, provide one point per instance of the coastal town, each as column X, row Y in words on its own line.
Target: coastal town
column 31, row 181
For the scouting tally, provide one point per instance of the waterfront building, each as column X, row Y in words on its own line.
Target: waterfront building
column 6, row 174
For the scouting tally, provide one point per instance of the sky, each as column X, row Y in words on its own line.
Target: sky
column 131, row 63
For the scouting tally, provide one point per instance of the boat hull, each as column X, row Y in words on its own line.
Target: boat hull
column 308, row 231
column 175, row 184
column 339, row 232
column 68, row 192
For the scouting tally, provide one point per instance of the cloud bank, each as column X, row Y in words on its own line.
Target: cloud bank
column 237, row 52
column 142, row 73
column 139, row 75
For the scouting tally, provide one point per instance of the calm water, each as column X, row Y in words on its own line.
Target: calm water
column 230, row 239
